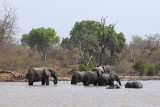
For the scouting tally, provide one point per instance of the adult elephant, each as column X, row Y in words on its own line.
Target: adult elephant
column 77, row 77
column 134, row 84
column 103, row 69
column 108, row 79
column 41, row 74
column 91, row 77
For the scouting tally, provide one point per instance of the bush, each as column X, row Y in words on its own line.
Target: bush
column 114, row 60
column 151, row 70
column 66, row 64
column 157, row 68
column 140, row 66
column 74, row 67
column 84, row 67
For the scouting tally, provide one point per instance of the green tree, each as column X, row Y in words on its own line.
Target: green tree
column 67, row 43
column 151, row 70
column 84, row 36
column 93, row 39
column 24, row 39
column 140, row 66
column 117, row 43
column 40, row 39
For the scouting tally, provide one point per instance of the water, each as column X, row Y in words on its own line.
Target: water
column 19, row 94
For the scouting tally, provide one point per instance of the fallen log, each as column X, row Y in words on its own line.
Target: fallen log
column 9, row 72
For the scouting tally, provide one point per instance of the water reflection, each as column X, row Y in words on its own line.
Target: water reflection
column 18, row 94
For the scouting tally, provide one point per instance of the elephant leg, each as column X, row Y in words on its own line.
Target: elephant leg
column 71, row 82
column 95, row 84
column 86, row 84
column 111, row 83
column 47, row 81
column 30, row 83
column 75, row 82
column 43, row 82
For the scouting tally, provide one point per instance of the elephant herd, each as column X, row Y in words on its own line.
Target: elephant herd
column 100, row 76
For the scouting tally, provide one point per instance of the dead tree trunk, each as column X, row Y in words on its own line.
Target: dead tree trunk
column 9, row 72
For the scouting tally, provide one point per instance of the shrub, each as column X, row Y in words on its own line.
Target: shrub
column 140, row 66
column 66, row 64
column 74, row 67
column 84, row 67
column 151, row 70
column 114, row 60
column 157, row 68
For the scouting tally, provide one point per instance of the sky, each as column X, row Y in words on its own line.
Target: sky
column 133, row 17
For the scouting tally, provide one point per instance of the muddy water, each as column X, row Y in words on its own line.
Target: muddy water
column 19, row 94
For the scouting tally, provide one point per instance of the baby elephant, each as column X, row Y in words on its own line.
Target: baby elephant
column 114, row 87
column 134, row 84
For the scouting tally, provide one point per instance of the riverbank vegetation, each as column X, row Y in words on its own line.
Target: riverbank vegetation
column 91, row 43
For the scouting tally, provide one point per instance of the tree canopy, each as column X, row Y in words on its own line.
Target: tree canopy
column 93, row 38
column 40, row 38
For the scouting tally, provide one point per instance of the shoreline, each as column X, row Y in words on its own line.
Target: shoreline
column 123, row 78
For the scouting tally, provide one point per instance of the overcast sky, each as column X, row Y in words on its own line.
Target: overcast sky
column 134, row 17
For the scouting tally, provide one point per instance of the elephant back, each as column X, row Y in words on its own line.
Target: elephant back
column 134, row 84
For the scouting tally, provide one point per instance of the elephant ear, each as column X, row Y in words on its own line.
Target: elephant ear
column 104, row 69
column 47, row 72
column 99, row 73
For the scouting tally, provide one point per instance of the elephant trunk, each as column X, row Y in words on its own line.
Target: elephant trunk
column 55, row 80
column 119, row 83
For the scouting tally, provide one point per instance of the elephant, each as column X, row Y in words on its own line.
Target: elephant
column 41, row 74
column 108, row 69
column 91, row 77
column 113, row 87
column 134, row 84
column 108, row 79
column 77, row 76
column 103, row 69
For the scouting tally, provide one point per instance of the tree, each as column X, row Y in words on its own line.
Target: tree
column 117, row 43
column 151, row 70
column 8, row 28
column 105, row 33
column 67, row 43
column 40, row 39
column 140, row 66
column 93, row 39
column 82, row 35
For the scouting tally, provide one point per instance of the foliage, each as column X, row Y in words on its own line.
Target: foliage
column 117, row 43
column 40, row 39
column 140, row 66
column 157, row 67
column 67, row 43
column 82, row 30
column 114, row 60
column 93, row 38
column 74, row 67
column 151, row 70
column 84, row 67
column 137, row 42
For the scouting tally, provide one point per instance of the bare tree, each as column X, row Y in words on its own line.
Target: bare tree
column 8, row 27
column 104, row 38
column 152, row 40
